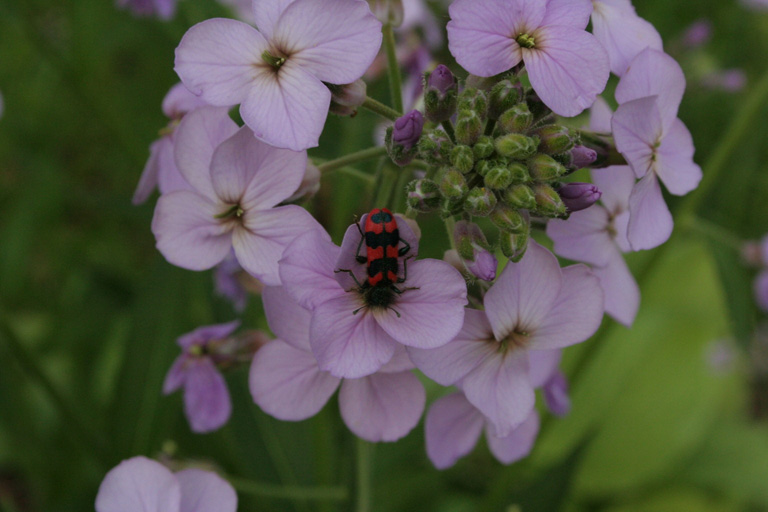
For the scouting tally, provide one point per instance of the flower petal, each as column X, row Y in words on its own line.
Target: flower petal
column 306, row 269
column 201, row 335
column 383, row 406
column 650, row 223
column 518, row 444
column 568, row 68
column 286, row 318
column 543, row 364
column 204, row 491
column 761, row 290
column 169, row 178
column 637, row 129
column 600, row 116
column 149, row 176
column 206, row 397
column 584, row 236
column 400, row 362
column 623, row 34
column 616, row 183
column 452, row 428
column 139, row 485
column 180, row 101
column 675, row 166
column 287, row 383
column 622, row 295
column 267, row 13
column 571, row 13
column 187, row 233
column 174, row 379
column 217, row 59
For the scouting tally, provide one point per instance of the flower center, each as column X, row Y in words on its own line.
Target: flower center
column 234, row 212
column 526, row 40
column 518, row 338
column 273, row 61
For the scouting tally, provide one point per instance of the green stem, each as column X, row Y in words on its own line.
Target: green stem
column 450, row 226
column 352, row 158
column 489, row 126
column 448, row 127
column 393, row 67
column 289, row 492
column 398, row 201
column 381, row 109
column 364, row 456
column 386, row 186
column 714, row 232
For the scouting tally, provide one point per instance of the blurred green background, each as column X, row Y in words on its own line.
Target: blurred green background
column 668, row 416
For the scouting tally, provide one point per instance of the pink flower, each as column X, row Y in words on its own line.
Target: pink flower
column 237, row 184
column 533, row 306
column 566, row 65
column 141, row 484
column 277, row 72
column 353, row 337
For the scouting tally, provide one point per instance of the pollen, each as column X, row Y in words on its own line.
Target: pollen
column 526, row 40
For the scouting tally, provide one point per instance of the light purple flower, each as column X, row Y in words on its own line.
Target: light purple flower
column 237, row 185
column 698, row 34
column 163, row 9
column 143, row 485
column 206, row 399
column 622, row 32
column 598, row 236
column 533, row 306
column 761, row 290
column 352, row 338
column 756, row 5
column 417, row 14
column 286, row 382
column 566, row 65
column 453, row 427
column 277, row 72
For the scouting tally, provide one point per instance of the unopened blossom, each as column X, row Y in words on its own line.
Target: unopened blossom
column 473, row 249
column 407, row 129
column 598, row 236
column 622, row 32
column 579, row 196
column 697, row 34
column 566, row 65
column 163, row 9
column 144, row 485
column 533, row 306
column 238, row 184
column 354, row 330
column 276, row 72
column 161, row 171
column 286, row 382
column 453, row 427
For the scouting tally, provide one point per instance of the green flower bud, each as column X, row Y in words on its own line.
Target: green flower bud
column 548, row 201
column 498, row 177
column 504, row 96
column 423, row 195
column 462, row 159
column 517, row 146
column 483, row 166
column 440, row 94
column 513, row 245
column 480, row 202
column 453, row 186
column 508, row 219
column 516, row 119
column 474, row 99
column 435, row 147
column 519, row 172
column 520, row 197
column 555, row 139
column 545, row 168
column 451, row 207
column 484, row 147
column 469, row 127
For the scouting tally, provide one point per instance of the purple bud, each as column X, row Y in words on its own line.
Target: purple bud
column 698, row 34
column 556, row 395
column 484, row 266
column 407, row 130
column 582, row 156
column 472, row 248
column 441, row 79
column 579, row 196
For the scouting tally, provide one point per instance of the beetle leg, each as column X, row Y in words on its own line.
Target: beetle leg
column 350, row 273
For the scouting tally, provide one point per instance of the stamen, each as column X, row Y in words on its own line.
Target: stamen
column 275, row 62
column 234, row 211
column 526, row 40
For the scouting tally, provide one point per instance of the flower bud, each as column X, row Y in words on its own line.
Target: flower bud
column 388, row 11
column 548, row 202
column 508, row 219
column 401, row 139
column 545, row 168
column 498, row 177
column 480, row 202
column 504, row 96
column 555, row 139
column 474, row 99
column 582, row 156
column 453, row 186
column 451, row 207
column 517, row 146
column 484, row 147
column 514, row 245
column 309, row 186
column 423, row 195
column 520, row 197
column 346, row 98
column 519, row 173
column 473, row 249
column 462, row 158
column 435, row 148
column 440, row 94
column 469, row 127
column 516, row 119
column 579, row 196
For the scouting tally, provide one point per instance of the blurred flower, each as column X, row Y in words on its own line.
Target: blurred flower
column 697, row 34
column 728, row 80
column 757, row 5
column 163, row 9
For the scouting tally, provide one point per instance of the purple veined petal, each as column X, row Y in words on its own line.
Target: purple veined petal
column 335, row 40
column 576, row 314
column 195, row 140
column 572, row 13
column 400, row 362
column 761, row 290
column 621, row 226
column 654, row 73
column 650, row 223
column 616, row 183
column 622, row 295
column 176, row 375
column 448, row 364
column 500, row 388
column 352, row 246
column 306, row 269
column 139, row 485
column 568, row 68
column 543, row 364
column 525, row 292
column 286, row 318
column 431, row 307
column 204, row 491
column 206, row 397
column 220, row 59
column 408, row 234
column 675, row 166
column 169, row 178
column 149, row 176
column 180, row 101
column 267, row 13
column 622, row 33
column 584, row 236
column 187, row 232
column 346, row 344
column 481, row 35
column 287, row 383
column 637, row 129
column 287, row 109
column 261, row 241
column 202, row 335
column 556, row 395
column 452, row 428
column 383, row 406
column 518, row 444
column 600, row 115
